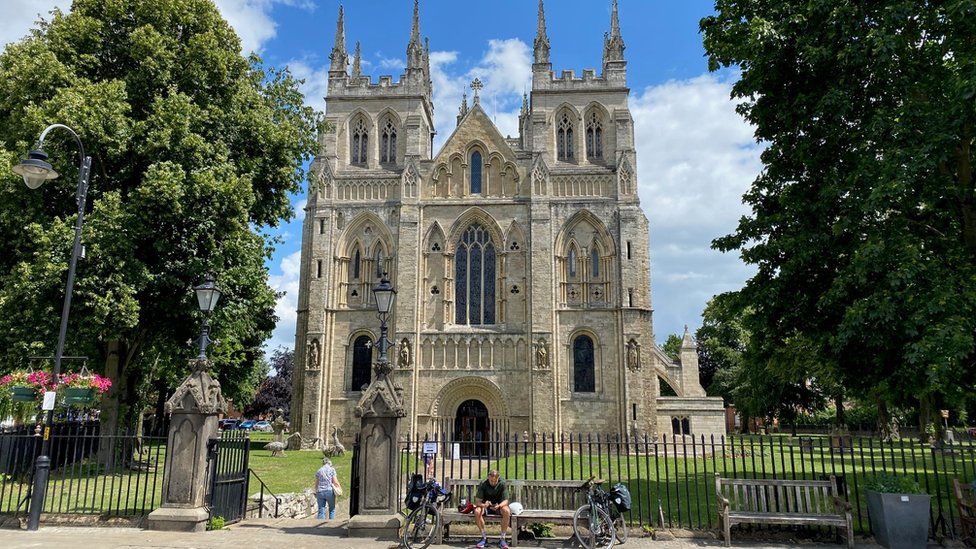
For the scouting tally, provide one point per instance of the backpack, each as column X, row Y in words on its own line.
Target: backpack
column 415, row 491
column 621, row 497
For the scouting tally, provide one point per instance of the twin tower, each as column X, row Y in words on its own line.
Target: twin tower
column 521, row 263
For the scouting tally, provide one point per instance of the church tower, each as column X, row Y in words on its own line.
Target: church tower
column 521, row 264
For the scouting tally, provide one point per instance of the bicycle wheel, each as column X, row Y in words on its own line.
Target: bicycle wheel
column 620, row 529
column 421, row 527
column 600, row 529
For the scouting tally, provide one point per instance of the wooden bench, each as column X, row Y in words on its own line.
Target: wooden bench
column 966, row 505
column 773, row 501
column 542, row 501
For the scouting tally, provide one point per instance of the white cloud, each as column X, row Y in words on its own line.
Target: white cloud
column 18, row 16
column 391, row 63
column 300, row 209
column 696, row 157
column 287, row 306
column 315, row 85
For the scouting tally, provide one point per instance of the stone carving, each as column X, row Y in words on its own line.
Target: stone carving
column 335, row 448
column 382, row 398
column 313, row 355
column 633, row 356
column 198, row 393
column 542, row 354
column 404, row 356
column 279, row 424
column 277, row 448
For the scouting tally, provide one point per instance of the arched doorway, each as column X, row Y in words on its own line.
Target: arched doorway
column 471, row 428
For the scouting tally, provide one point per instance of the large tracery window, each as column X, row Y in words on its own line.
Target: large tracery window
column 359, row 145
column 564, row 137
column 388, row 143
column 362, row 358
column 594, row 137
column 474, row 277
column 476, row 165
column 584, row 374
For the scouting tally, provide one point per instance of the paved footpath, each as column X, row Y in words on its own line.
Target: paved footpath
column 283, row 534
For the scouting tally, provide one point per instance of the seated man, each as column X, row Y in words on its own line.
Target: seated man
column 492, row 498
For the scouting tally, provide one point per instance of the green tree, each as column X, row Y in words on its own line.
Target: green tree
column 195, row 152
column 672, row 346
column 863, row 223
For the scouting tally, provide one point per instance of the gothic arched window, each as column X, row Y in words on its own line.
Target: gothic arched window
column 474, row 277
column 571, row 262
column 378, row 260
column 584, row 374
column 357, row 259
column 362, row 358
column 594, row 261
column 564, row 137
column 388, row 143
column 594, row 137
column 476, row 165
column 360, row 139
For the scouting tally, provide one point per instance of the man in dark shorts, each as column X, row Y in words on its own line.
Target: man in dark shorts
column 492, row 498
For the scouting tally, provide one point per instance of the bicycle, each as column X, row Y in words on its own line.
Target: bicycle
column 592, row 523
column 424, row 520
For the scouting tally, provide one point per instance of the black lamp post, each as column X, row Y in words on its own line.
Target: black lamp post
column 385, row 295
column 35, row 170
column 207, row 295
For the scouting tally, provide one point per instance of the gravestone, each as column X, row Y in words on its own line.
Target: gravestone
column 193, row 408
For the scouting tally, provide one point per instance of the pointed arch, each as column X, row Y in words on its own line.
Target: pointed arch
column 605, row 239
column 359, row 127
column 566, row 124
column 435, row 235
column 472, row 215
column 514, row 235
column 356, row 231
column 388, row 130
column 596, row 122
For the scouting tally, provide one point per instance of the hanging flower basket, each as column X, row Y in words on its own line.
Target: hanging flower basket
column 79, row 395
column 23, row 394
column 84, row 388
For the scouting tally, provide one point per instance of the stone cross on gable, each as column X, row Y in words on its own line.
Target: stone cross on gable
column 476, row 86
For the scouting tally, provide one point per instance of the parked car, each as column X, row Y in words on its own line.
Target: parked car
column 228, row 424
column 247, row 424
column 262, row 426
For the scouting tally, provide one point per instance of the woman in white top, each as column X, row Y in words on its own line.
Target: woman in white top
column 326, row 481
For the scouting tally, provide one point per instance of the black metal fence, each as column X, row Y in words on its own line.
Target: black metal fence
column 91, row 473
column 672, row 479
column 229, row 456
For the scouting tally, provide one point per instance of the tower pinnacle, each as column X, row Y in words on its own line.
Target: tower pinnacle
column 415, row 50
column 338, row 56
column 541, row 45
column 613, row 42
column 357, row 62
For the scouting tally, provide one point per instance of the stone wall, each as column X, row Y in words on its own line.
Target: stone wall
column 291, row 505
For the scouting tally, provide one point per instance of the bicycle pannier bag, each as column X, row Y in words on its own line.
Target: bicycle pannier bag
column 415, row 491
column 621, row 497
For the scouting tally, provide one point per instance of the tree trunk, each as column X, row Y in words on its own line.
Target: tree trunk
column 841, row 415
column 884, row 420
column 109, row 410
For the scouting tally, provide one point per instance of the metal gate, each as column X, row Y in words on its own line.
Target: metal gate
column 354, row 479
column 228, row 475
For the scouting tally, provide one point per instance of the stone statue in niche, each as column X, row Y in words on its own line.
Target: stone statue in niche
column 313, row 355
column 633, row 356
column 403, row 357
column 542, row 354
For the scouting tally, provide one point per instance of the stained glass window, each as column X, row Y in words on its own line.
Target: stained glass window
column 362, row 358
column 360, row 138
column 595, row 262
column 474, row 276
column 584, row 376
column 476, row 165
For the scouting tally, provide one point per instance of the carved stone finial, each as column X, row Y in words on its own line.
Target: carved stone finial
column 199, row 392
column 357, row 70
column 541, row 45
column 476, row 87
column 338, row 56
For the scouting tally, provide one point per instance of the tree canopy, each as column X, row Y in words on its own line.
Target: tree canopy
column 275, row 390
column 195, row 152
column 863, row 222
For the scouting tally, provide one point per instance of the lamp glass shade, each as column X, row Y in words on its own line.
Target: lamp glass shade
column 35, row 169
column 385, row 295
column 207, row 295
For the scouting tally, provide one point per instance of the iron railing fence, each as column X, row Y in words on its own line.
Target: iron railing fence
column 672, row 478
column 91, row 473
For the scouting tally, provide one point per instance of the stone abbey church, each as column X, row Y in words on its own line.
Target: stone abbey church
column 521, row 263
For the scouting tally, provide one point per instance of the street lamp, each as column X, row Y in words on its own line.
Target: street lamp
column 385, row 295
column 207, row 296
column 35, row 170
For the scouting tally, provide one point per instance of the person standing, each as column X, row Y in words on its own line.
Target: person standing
column 326, row 482
column 492, row 498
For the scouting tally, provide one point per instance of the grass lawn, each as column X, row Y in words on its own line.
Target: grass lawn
column 295, row 471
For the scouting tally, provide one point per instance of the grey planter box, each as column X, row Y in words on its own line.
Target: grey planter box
column 899, row 520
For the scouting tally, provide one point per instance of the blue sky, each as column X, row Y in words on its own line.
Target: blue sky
column 695, row 155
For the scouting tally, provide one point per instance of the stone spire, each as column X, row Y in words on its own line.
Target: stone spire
column 686, row 341
column 415, row 50
column 613, row 42
column 463, row 109
column 525, row 104
column 541, row 45
column 338, row 56
column 357, row 62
